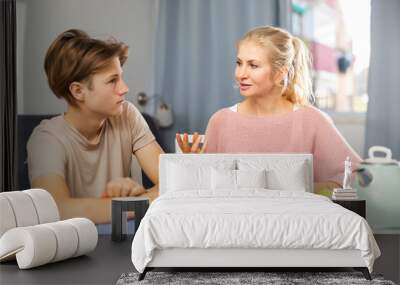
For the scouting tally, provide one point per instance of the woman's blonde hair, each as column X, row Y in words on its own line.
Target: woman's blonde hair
column 286, row 52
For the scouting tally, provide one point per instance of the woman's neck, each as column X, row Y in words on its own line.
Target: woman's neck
column 265, row 106
column 88, row 125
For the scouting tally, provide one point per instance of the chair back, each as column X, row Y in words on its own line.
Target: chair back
column 25, row 126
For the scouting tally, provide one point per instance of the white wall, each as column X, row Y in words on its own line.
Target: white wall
column 40, row 21
column 352, row 127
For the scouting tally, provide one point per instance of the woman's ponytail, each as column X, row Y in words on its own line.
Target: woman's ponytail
column 299, row 84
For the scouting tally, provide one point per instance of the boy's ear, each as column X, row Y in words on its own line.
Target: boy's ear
column 77, row 90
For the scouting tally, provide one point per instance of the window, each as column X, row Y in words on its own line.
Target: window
column 340, row 46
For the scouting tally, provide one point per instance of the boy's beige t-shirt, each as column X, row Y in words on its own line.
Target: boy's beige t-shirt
column 55, row 147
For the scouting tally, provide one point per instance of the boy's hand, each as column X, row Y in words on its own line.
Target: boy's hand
column 122, row 187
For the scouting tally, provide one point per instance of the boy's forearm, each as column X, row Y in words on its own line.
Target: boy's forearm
column 98, row 210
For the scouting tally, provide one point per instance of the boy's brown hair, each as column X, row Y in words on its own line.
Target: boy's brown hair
column 75, row 56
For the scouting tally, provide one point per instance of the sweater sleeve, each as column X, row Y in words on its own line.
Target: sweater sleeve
column 212, row 134
column 330, row 151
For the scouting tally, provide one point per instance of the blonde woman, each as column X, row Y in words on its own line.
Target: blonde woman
column 273, row 75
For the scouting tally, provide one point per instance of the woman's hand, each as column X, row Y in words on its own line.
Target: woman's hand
column 185, row 145
column 122, row 187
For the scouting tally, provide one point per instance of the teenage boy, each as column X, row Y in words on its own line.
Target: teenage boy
column 83, row 157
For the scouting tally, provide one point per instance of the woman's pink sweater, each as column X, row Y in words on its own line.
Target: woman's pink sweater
column 306, row 130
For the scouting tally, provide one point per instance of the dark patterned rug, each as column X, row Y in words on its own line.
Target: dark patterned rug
column 273, row 278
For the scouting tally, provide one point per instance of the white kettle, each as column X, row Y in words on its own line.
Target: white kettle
column 378, row 182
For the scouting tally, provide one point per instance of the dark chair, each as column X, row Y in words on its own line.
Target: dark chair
column 25, row 126
column 155, row 129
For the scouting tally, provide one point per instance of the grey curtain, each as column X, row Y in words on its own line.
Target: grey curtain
column 383, row 116
column 8, row 96
column 196, row 55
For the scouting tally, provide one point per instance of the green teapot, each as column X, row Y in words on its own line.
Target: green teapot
column 378, row 182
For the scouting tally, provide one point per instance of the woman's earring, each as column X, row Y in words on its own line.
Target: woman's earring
column 283, row 82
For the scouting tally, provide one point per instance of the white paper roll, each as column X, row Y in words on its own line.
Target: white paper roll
column 24, row 210
column 7, row 218
column 67, row 239
column 87, row 234
column 45, row 205
column 35, row 245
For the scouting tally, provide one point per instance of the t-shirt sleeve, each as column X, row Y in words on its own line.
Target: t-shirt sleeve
column 141, row 133
column 330, row 152
column 46, row 155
